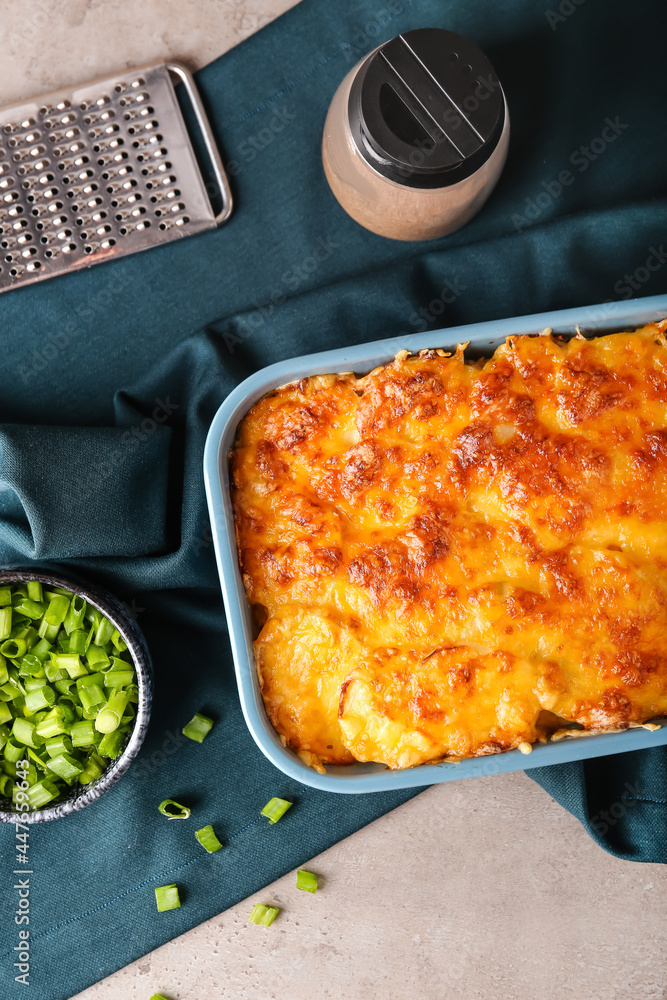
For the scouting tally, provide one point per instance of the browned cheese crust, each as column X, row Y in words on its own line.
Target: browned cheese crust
column 448, row 558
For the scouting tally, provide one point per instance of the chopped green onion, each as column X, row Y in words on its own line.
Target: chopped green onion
column 111, row 744
column 275, row 808
column 57, row 610
column 14, row 648
column 31, row 609
column 23, row 731
column 306, row 881
column 66, row 767
column 75, row 614
column 94, row 767
column 42, row 649
column 108, row 718
column 118, row 641
column 174, row 810
column 43, row 697
column 71, row 662
column 5, row 622
column 41, row 793
column 97, row 657
column 83, row 733
column 208, row 839
column 54, row 692
column 118, row 678
column 198, row 727
column 166, row 898
column 91, row 696
column 48, row 632
column 264, row 915
column 103, row 632
column 13, row 751
column 77, row 641
column 61, row 744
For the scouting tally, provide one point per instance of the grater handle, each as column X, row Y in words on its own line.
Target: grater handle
column 188, row 82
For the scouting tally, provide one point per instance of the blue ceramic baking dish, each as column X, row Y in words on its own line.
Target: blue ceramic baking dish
column 483, row 338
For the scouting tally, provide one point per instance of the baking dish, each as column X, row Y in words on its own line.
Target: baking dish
column 483, row 338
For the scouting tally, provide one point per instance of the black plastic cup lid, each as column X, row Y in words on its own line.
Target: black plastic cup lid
column 426, row 109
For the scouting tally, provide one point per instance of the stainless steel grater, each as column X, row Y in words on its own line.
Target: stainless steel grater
column 102, row 170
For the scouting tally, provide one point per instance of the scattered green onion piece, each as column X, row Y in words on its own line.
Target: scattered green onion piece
column 57, row 610
column 6, row 784
column 5, row 596
column 166, row 898
column 264, row 915
column 208, row 839
column 5, row 734
column 42, row 793
column 14, row 648
column 174, row 810
column 111, row 744
column 275, row 808
column 35, row 591
column 306, row 881
column 5, row 622
column 5, row 713
column 43, row 697
column 4, row 672
column 198, row 727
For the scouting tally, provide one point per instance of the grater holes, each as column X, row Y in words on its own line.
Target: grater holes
column 139, row 82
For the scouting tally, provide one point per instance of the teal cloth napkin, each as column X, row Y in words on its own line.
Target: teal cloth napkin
column 110, row 378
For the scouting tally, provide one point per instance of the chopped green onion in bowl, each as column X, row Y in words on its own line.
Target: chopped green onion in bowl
column 62, row 726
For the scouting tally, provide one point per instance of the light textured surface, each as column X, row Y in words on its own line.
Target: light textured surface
column 482, row 889
column 47, row 44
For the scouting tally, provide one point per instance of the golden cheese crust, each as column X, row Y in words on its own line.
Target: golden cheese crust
column 448, row 559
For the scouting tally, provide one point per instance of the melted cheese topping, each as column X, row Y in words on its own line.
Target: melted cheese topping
column 449, row 559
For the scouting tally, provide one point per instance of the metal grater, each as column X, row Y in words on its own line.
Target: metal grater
column 103, row 170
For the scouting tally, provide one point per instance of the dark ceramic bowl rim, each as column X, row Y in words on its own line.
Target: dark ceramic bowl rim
column 111, row 607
